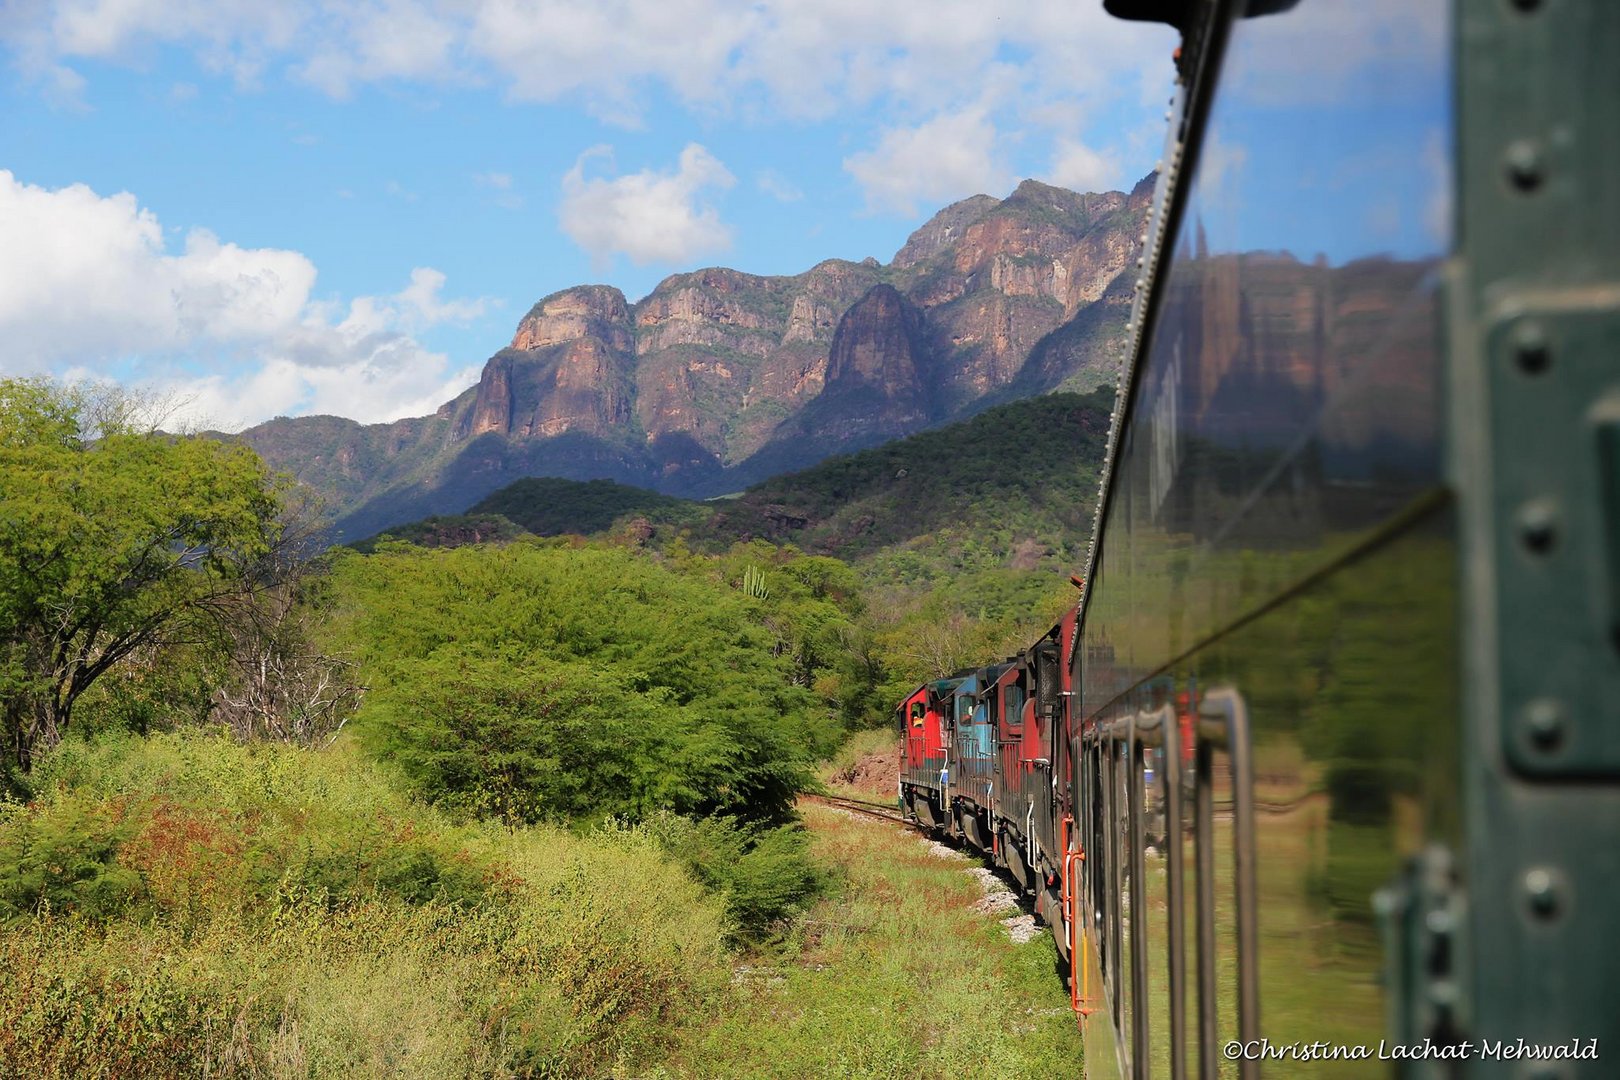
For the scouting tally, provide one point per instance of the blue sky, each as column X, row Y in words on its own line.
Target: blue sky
column 314, row 206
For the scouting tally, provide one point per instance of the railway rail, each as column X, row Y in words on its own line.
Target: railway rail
column 881, row 811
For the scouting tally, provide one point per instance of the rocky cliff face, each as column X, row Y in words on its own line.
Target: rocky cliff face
column 719, row 378
column 570, row 367
column 879, row 372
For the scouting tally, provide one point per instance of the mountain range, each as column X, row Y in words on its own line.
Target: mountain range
column 718, row 379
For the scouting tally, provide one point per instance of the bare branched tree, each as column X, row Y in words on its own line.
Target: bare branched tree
column 942, row 646
column 275, row 682
column 279, row 685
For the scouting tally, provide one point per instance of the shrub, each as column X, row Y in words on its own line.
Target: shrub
column 543, row 682
column 315, row 921
column 765, row 874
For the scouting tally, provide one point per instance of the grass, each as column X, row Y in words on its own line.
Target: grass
column 181, row 905
column 895, row 976
column 185, row 906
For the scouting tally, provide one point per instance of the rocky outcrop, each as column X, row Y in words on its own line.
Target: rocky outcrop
column 877, row 370
column 570, row 368
column 942, row 230
column 597, row 311
column 715, row 308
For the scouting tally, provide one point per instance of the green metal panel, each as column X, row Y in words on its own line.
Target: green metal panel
column 1535, row 380
column 1554, row 372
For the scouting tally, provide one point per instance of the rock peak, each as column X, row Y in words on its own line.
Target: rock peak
column 582, row 311
column 942, row 230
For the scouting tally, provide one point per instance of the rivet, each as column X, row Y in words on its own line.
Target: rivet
column 1542, row 892
column 1531, row 350
column 1544, row 719
column 1538, row 526
column 1524, row 166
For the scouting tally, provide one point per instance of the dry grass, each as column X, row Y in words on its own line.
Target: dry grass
column 896, row 976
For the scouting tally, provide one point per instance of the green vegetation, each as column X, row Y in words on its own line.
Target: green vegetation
column 186, row 906
column 961, row 539
column 114, row 541
column 448, row 530
column 555, row 682
column 1019, row 472
column 546, row 506
column 896, row 976
column 476, row 803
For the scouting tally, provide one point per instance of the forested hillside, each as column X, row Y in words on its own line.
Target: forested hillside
column 1019, row 476
column 548, row 506
column 1019, row 473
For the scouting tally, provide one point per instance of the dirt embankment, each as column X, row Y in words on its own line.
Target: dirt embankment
column 876, row 772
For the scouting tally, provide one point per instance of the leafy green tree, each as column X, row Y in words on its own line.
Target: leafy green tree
column 549, row 681
column 114, row 540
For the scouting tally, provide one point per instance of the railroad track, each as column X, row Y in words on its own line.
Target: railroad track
column 882, row 811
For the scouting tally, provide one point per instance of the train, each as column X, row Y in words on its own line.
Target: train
column 1320, row 776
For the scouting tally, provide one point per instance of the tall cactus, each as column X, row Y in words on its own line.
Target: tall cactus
column 754, row 583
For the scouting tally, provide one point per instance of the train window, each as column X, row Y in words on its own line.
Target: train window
column 1046, row 680
column 917, row 712
column 1015, row 705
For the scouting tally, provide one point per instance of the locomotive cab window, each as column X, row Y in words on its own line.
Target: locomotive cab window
column 1015, row 705
column 917, row 712
column 1046, row 681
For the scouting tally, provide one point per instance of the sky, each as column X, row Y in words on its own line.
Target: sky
column 262, row 208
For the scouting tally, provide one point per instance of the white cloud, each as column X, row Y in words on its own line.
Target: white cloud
column 88, row 284
column 949, row 157
column 548, row 49
column 499, row 184
column 1045, row 68
column 366, row 43
column 777, row 186
column 1220, row 160
column 1081, row 168
column 808, row 59
column 414, row 308
column 648, row 216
